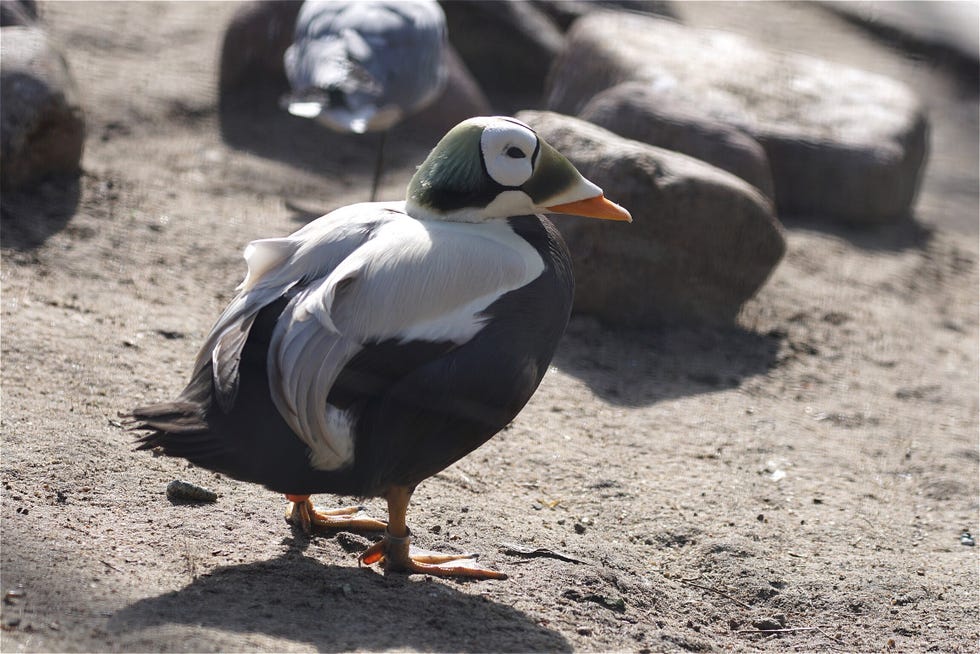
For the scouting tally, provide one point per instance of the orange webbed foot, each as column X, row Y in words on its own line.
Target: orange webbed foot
column 396, row 554
column 302, row 513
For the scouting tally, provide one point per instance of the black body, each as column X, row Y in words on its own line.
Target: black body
column 419, row 406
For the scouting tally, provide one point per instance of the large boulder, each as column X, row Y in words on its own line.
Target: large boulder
column 637, row 111
column 254, row 43
column 463, row 98
column 951, row 26
column 841, row 142
column 42, row 125
column 508, row 46
column 702, row 241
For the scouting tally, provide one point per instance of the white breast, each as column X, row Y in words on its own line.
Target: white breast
column 412, row 280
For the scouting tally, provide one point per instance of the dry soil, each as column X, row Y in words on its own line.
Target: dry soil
column 800, row 482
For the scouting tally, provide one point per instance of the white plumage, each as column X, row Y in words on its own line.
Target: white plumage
column 362, row 66
column 369, row 273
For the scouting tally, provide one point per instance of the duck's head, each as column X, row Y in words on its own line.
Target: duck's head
column 497, row 167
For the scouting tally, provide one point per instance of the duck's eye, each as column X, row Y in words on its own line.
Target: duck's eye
column 506, row 148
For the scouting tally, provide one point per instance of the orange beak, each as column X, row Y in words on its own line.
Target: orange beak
column 597, row 207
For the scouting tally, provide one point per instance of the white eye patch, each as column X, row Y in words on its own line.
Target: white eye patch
column 508, row 148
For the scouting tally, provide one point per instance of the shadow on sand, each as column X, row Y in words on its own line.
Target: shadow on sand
column 642, row 367
column 904, row 233
column 334, row 608
column 30, row 215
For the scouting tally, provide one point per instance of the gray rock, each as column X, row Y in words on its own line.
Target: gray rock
column 508, row 46
column 638, row 111
column 954, row 26
column 702, row 241
column 42, row 126
column 17, row 12
column 462, row 99
column 251, row 52
column 841, row 142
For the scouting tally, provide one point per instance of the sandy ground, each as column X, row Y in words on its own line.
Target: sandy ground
column 809, row 472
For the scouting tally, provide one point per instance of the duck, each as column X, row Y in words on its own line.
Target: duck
column 384, row 341
column 361, row 66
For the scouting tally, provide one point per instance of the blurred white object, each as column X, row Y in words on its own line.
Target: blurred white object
column 363, row 65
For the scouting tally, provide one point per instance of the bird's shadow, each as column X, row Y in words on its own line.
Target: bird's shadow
column 632, row 367
column 335, row 608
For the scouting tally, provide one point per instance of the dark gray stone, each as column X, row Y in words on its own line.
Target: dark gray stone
column 252, row 50
column 508, row 46
column 638, row 111
column 17, row 12
column 702, row 241
column 462, row 99
column 42, row 125
column 841, row 142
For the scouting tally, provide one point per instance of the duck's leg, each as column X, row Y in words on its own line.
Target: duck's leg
column 379, row 165
column 396, row 553
column 302, row 513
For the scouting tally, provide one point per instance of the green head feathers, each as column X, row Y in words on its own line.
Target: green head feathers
column 497, row 168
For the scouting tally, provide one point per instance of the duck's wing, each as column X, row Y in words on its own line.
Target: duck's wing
column 411, row 281
column 276, row 266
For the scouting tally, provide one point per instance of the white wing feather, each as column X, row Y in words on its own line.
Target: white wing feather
column 364, row 274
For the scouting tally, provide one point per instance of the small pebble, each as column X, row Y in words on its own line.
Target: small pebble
column 584, row 631
column 967, row 539
column 579, row 528
column 182, row 491
column 770, row 624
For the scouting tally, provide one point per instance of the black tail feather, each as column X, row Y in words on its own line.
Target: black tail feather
column 180, row 429
column 172, row 417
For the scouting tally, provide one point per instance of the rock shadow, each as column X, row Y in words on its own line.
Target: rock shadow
column 643, row 367
column 31, row 214
column 904, row 233
column 335, row 608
